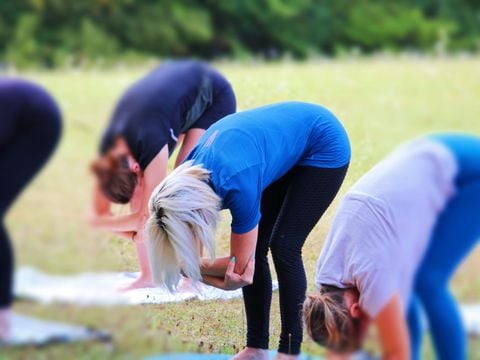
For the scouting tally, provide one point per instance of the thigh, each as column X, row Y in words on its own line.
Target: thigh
column 310, row 193
column 456, row 233
column 272, row 199
column 27, row 150
column 12, row 102
column 465, row 148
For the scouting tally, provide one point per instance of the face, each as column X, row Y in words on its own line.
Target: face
column 352, row 298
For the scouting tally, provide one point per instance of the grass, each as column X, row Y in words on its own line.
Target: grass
column 382, row 102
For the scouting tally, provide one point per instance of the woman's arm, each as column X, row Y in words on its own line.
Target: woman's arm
column 216, row 268
column 129, row 235
column 189, row 141
column 232, row 280
column 101, row 205
column 237, row 270
column 242, row 247
column 393, row 331
column 155, row 172
column 117, row 224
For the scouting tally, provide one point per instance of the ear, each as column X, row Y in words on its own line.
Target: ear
column 136, row 167
column 355, row 310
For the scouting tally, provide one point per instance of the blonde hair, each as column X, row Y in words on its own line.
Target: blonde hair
column 328, row 322
column 183, row 215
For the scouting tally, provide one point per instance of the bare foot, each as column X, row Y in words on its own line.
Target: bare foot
column 282, row 356
column 251, row 354
column 140, row 283
column 186, row 285
column 338, row 356
column 5, row 315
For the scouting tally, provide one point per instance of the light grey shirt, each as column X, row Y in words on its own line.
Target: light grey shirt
column 384, row 223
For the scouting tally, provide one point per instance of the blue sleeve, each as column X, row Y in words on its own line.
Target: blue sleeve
column 243, row 193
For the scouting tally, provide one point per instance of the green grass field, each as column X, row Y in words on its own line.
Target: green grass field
column 382, row 102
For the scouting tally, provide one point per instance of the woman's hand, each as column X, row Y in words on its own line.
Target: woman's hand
column 235, row 281
column 232, row 280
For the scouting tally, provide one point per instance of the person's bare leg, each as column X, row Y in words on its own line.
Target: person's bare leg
column 251, row 354
column 5, row 317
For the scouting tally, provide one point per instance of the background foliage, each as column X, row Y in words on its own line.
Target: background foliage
column 52, row 33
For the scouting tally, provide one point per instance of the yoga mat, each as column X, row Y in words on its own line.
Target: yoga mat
column 29, row 331
column 471, row 318
column 101, row 289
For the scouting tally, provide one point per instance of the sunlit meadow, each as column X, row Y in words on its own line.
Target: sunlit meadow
column 382, row 102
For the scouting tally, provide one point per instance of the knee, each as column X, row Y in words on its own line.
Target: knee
column 278, row 251
column 285, row 253
column 428, row 284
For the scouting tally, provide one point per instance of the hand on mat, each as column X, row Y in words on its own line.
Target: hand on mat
column 235, row 281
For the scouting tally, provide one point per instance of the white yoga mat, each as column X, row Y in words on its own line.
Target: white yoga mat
column 28, row 331
column 102, row 289
column 471, row 318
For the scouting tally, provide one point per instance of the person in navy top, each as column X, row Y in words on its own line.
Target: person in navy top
column 174, row 103
column 276, row 168
column 30, row 127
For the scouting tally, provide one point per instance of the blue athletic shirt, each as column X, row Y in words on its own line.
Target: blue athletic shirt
column 154, row 110
column 249, row 150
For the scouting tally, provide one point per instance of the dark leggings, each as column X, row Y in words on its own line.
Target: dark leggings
column 290, row 208
column 30, row 126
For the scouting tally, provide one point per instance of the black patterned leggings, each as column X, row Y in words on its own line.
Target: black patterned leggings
column 290, row 208
column 30, row 126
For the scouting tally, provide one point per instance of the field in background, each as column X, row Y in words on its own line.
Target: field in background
column 382, row 102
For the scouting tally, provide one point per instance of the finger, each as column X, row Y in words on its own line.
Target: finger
column 230, row 266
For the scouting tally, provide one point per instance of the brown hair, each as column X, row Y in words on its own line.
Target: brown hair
column 328, row 321
column 117, row 182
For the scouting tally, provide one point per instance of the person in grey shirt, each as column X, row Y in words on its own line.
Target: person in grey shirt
column 396, row 240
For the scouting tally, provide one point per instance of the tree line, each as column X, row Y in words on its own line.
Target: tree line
column 51, row 33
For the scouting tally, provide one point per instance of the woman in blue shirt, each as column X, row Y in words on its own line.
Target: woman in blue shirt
column 175, row 103
column 276, row 168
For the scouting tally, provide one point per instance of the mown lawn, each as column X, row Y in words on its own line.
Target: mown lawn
column 381, row 102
